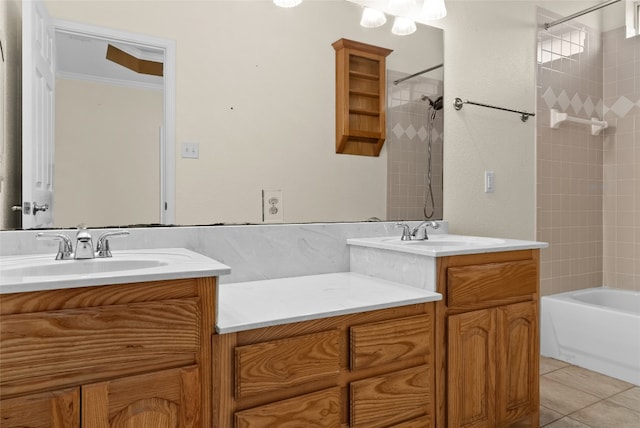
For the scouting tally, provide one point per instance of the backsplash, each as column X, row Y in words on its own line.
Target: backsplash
column 253, row 252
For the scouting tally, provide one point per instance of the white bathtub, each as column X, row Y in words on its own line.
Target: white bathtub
column 594, row 328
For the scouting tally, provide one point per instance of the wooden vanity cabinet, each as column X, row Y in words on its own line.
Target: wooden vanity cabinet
column 130, row 355
column 489, row 340
column 373, row 370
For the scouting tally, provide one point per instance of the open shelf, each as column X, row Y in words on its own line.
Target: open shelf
column 360, row 97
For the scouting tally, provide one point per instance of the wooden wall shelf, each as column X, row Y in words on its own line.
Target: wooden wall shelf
column 361, row 97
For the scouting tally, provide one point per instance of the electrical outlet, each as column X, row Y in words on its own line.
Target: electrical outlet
column 272, row 206
column 489, row 181
column 190, row 150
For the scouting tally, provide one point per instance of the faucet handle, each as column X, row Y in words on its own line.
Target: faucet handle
column 406, row 232
column 65, row 247
column 102, row 248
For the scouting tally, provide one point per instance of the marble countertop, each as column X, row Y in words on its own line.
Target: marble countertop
column 441, row 245
column 42, row 272
column 256, row 304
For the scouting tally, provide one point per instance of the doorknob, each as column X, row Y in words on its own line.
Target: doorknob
column 37, row 207
column 26, row 209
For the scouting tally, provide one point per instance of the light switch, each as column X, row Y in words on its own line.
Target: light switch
column 190, row 150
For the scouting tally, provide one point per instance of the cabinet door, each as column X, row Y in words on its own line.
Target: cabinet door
column 471, row 369
column 517, row 358
column 164, row 399
column 57, row 409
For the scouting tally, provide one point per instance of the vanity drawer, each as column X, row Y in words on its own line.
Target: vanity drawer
column 79, row 345
column 480, row 286
column 319, row 409
column 390, row 399
column 385, row 342
column 286, row 362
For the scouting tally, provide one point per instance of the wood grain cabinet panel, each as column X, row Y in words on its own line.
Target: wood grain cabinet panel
column 57, row 409
column 389, row 399
column 517, row 391
column 284, row 363
column 471, row 362
column 84, row 342
column 164, row 399
column 491, row 284
column 316, row 410
column 384, row 342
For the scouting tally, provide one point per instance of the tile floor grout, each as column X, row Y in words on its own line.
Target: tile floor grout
column 571, row 393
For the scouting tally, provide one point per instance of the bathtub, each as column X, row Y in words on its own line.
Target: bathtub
column 594, row 328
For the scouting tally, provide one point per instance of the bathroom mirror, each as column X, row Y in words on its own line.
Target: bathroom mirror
column 255, row 93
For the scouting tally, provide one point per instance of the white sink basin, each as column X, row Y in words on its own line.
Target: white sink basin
column 31, row 273
column 446, row 241
column 439, row 245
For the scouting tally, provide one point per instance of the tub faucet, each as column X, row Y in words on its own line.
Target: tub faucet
column 423, row 226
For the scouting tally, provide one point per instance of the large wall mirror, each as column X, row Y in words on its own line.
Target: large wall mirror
column 255, row 93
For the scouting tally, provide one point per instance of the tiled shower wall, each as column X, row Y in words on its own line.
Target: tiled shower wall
column 621, row 192
column 407, row 148
column 588, row 186
column 569, row 159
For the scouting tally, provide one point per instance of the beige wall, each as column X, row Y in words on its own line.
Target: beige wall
column 262, row 126
column 10, row 104
column 107, row 154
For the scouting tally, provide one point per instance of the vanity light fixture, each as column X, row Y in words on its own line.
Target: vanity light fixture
column 287, row 3
column 403, row 26
column 372, row 18
column 434, row 9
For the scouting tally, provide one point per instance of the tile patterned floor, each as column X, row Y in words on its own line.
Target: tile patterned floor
column 573, row 397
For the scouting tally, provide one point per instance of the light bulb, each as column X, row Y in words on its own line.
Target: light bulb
column 434, row 9
column 287, row 3
column 403, row 26
column 372, row 18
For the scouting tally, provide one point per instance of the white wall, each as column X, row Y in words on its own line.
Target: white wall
column 255, row 88
column 107, row 154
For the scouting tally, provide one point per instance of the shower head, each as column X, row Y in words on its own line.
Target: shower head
column 435, row 104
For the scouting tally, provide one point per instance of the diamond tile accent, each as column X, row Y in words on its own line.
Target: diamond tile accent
column 576, row 103
column 622, row 106
column 410, row 131
column 398, row 130
column 588, row 106
column 422, row 133
column 563, row 100
column 549, row 97
column 600, row 109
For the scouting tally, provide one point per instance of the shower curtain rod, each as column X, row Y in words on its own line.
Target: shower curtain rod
column 459, row 102
column 395, row 82
column 577, row 14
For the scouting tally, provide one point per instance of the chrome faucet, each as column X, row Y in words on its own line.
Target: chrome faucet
column 102, row 249
column 423, row 226
column 65, row 248
column 406, row 233
column 84, row 244
column 409, row 234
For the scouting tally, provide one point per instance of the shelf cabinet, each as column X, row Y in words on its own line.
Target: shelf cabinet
column 367, row 370
column 360, row 97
